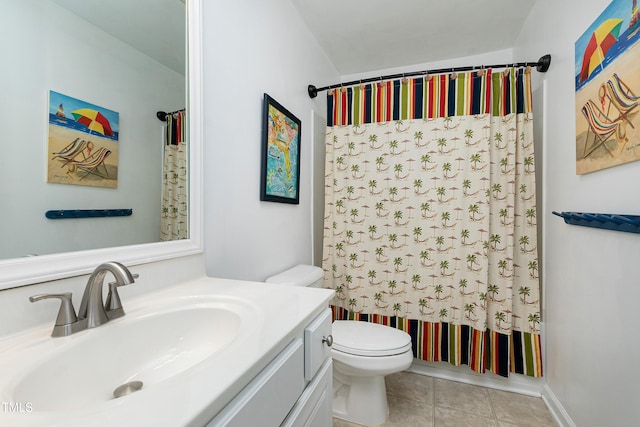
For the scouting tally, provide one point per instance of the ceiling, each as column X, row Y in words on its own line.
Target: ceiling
column 154, row 27
column 367, row 35
column 358, row 36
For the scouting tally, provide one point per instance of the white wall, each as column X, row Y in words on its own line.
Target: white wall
column 590, row 276
column 47, row 48
column 253, row 47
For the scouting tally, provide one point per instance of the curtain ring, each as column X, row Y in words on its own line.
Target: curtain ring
column 404, row 79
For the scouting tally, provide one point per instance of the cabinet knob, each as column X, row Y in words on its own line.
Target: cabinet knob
column 328, row 340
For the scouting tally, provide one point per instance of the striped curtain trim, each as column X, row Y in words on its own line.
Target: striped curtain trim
column 444, row 95
column 519, row 353
column 176, row 128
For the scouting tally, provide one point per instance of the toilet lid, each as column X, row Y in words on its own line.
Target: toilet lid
column 368, row 339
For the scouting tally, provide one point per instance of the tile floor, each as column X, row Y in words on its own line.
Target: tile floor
column 420, row 401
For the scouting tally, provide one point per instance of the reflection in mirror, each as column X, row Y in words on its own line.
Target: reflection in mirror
column 126, row 56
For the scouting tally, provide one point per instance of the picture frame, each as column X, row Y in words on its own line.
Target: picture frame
column 83, row 142
column 280, row 164
column 607, row 89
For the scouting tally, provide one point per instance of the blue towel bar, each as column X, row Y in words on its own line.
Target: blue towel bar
column 87, row 213
column 615, row 222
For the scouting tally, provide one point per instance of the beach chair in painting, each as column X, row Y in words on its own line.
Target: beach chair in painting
column 91, row 165
column 621, row 97
column 69, row 153
column 601, row 126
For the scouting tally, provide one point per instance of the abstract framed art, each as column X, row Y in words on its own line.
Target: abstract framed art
column 280, row 172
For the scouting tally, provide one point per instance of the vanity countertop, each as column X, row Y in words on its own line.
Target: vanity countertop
column 269, row 316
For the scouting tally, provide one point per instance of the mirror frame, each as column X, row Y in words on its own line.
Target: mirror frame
column 37, row 269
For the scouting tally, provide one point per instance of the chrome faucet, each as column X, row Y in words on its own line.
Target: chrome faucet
column 93, row 312
column 92, row 308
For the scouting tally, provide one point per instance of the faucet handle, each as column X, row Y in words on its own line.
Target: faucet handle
column 66, row 315
column 113, row 305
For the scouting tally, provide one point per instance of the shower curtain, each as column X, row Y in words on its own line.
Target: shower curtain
column 430, row 215
column 174, row 223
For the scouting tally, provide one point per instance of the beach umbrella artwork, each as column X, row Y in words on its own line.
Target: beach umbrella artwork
column 605, row 36
column 94, row 120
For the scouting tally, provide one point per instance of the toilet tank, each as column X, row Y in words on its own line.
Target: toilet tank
column 300, row 275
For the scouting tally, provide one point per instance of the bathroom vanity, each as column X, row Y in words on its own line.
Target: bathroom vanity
column 208, row 352
column 295, row 389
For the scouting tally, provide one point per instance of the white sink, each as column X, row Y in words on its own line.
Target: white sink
column 148, row 348
column 193, row 346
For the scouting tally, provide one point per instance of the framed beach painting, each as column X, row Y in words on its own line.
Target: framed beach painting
column 607, row 87
column 83, row 143
column 280, row 175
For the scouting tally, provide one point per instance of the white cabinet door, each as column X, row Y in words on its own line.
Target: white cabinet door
column 267, row 399
column 317, row 341
column 314, row 406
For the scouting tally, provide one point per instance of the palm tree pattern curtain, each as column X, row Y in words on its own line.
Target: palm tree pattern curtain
column 174, row 223
column 430, row 216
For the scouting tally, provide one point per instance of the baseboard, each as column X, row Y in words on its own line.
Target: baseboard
column 516, row 383
column 555, row 407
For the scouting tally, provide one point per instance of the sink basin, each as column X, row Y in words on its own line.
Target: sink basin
column 149, row 348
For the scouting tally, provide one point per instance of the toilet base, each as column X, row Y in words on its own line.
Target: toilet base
column 360, row 399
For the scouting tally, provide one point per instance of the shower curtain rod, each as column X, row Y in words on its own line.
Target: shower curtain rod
column 542, row 66
column 162, row 115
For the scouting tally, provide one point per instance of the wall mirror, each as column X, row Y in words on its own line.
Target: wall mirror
column 128, row 57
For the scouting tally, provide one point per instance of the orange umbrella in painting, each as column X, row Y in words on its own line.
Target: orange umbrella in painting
column 94, row 120
column 605, row 36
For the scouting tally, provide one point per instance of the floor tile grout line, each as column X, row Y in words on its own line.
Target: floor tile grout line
column 493, row 410
column 433, row 402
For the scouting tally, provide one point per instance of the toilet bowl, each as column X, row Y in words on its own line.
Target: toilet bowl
column 363, row 354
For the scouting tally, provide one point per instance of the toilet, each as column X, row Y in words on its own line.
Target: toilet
column 363, row 354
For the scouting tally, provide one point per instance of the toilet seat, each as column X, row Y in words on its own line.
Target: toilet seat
column 368, row 339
